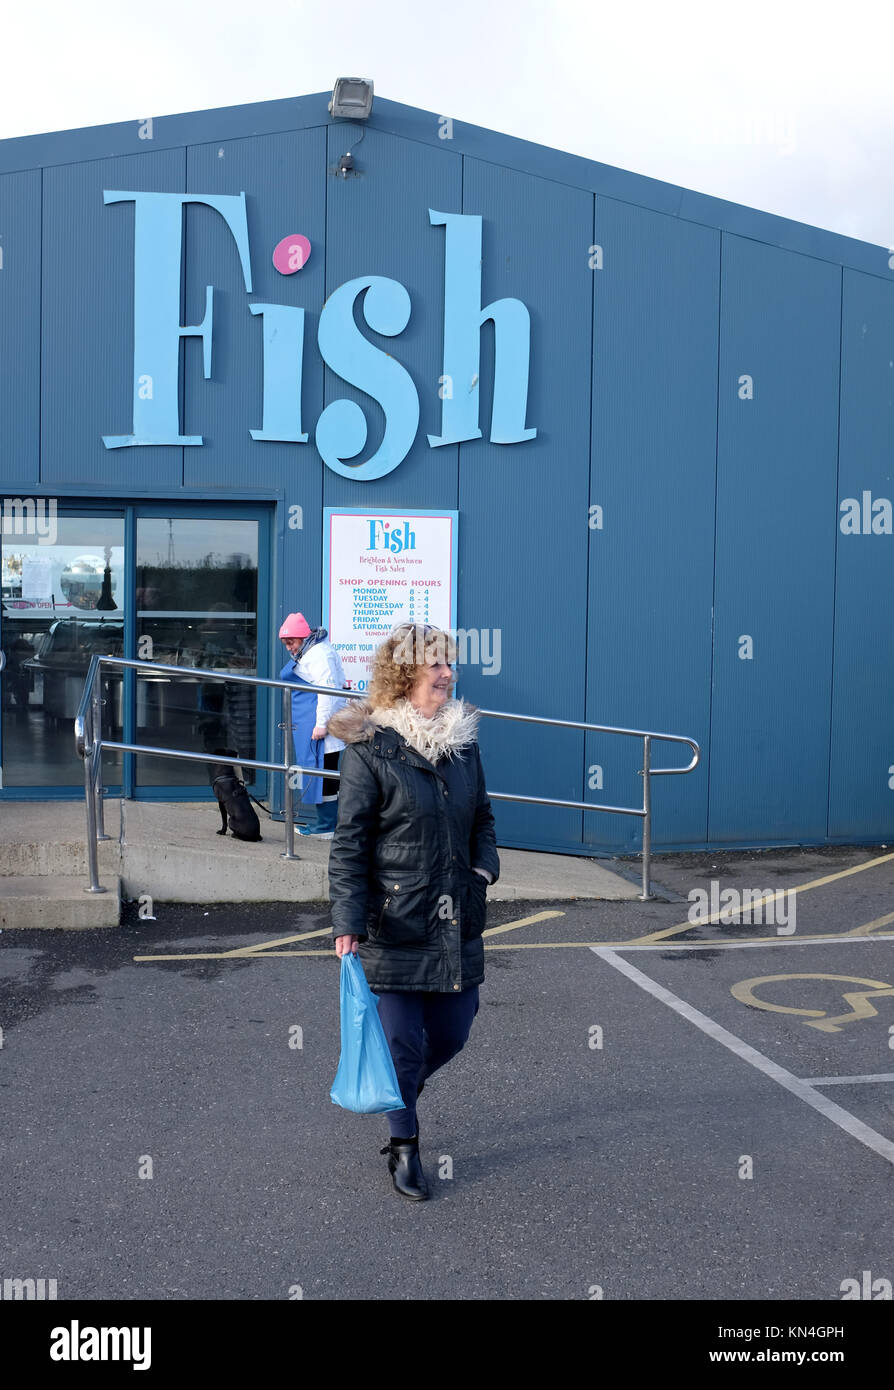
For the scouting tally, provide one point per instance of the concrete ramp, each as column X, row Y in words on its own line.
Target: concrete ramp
column 170, row 852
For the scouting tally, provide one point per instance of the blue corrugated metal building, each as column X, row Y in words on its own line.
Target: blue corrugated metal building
column 697, row 539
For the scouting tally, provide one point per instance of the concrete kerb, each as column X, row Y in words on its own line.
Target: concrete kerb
column 32, row 901
column 170, row 851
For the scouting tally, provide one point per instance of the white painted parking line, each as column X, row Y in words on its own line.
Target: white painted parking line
column 846, row 1080
column 804, row 1090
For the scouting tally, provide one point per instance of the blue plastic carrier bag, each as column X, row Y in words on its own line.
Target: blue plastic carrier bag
column 366, row 1080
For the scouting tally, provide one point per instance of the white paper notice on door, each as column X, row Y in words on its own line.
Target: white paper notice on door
column 37, row 578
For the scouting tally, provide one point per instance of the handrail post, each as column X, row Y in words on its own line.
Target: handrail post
column 646, row 896
column 96, row 755
column 94, row 885
column 288, row 806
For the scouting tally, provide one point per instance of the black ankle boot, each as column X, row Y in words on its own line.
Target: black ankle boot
column 405, row 1168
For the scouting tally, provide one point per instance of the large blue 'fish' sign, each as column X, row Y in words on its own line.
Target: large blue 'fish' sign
column 341, row 431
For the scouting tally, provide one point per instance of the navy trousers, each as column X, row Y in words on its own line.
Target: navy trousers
column 424, row 1031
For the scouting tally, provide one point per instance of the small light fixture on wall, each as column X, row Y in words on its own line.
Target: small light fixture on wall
column 352, row 98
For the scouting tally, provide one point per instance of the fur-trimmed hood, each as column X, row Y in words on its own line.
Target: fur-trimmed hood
column 454, row 726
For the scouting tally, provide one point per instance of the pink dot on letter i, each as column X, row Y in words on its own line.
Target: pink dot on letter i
column 291, row 254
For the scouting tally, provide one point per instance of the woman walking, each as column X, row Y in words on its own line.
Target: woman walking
column 413, row 853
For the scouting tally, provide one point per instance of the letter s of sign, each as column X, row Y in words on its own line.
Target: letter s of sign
column 341, row 429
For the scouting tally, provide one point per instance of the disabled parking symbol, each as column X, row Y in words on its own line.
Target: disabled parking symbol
column 856, row 999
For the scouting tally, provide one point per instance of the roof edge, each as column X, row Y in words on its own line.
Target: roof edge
column 30, row 152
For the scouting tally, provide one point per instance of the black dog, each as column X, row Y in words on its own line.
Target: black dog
column 233, row 801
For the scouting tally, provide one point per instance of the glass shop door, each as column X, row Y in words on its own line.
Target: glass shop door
column 185, row 585
column 62, row 600
column 201, row 599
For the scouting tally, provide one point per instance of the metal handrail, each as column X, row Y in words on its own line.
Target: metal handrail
column 90, row 744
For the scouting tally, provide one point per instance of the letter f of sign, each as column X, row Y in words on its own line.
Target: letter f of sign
column 158, row 240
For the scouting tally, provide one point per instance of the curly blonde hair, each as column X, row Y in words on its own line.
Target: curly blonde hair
column 407, row 649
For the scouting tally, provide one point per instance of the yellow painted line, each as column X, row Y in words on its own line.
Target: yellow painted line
column 252, row 952
column 330, row 955
column 552, row 945
column 707, row 944
column 839, row 936
column 266, row 947
column 536, row 946
column 522, row 922
column 306, row 936
column 228, row 955
column 283, row 941
column 771, row 897
column 620, row 945
column 868, row 927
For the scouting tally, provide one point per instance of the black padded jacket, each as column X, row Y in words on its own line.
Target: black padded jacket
column 401, row 869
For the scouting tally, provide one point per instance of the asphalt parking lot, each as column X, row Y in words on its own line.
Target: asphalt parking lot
column 648, row 1107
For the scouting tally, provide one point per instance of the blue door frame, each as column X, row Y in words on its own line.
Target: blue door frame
column 132, row 512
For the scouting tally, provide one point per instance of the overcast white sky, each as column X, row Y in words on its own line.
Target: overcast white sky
column 777, row 104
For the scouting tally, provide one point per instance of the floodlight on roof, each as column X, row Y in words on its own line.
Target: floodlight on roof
column 352, row 97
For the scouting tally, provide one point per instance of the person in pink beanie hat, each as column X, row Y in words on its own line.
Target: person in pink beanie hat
column 314, row 661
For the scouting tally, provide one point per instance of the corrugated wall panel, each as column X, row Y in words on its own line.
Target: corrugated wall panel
column 775, row 549
column 87, row 323
column 861, row 800
column 20, row 330
column 653, row 473
column 523, row 526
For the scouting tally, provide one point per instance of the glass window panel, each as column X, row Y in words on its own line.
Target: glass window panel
column 196, row 600
column 61, row 603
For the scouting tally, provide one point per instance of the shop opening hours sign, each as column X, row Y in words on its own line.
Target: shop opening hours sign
column 381, row 569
